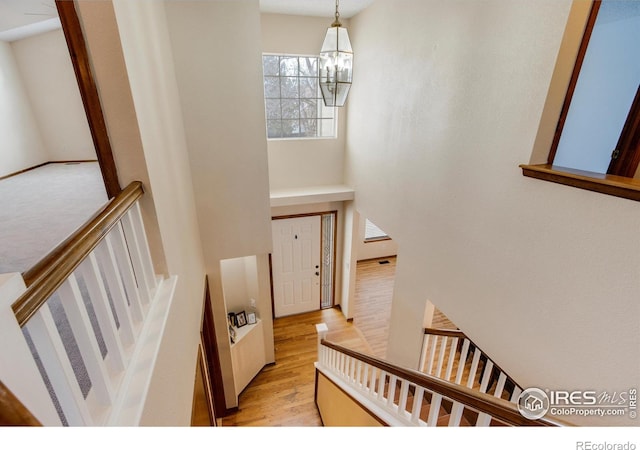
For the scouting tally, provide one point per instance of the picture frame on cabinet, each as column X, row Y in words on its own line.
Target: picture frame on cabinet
column 241, row 319
column 251, row 318
column 232, row 319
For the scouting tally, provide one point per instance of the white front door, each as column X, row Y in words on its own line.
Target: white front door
column 296, row 265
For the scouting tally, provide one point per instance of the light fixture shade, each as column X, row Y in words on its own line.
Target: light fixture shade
column 336, row 66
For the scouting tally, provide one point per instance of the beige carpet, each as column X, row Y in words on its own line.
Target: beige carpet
column 41, row 207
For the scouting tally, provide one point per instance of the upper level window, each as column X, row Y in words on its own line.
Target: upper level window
column 293, row 101
column 373, row 233
column 599, row 127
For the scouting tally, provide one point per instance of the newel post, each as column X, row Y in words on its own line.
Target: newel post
column 321, row 329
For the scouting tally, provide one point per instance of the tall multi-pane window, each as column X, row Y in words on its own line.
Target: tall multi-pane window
column 293, row 101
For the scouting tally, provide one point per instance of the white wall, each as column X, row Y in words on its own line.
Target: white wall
column 47, row 73
column 220, row 88
column 149, row 145
column 542, row 276
column 21, row 145
column 302, row 162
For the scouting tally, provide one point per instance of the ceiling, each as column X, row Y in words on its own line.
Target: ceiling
column 21, row 18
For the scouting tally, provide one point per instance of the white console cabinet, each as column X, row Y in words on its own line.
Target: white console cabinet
column 247, row 354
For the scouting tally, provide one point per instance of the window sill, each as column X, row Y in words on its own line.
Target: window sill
column 623, row 187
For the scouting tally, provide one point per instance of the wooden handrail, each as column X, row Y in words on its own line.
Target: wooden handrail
column 47, row 275
column 445, row 332
column 496, row 407
column 13, row 412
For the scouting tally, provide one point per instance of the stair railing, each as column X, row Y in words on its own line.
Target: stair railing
column 452, row 356
column 81, row 340
column 404, row 397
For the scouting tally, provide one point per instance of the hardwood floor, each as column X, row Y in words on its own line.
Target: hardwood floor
column 282, row 394
column 374, row 293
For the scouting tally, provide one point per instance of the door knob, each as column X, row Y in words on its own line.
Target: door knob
column 317, row 273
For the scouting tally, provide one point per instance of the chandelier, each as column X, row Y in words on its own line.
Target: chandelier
column 336, row 64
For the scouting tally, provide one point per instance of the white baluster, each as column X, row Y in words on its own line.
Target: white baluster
column 474, row 368
column 381, row 380
column 462, row 361
column 76, row 312
column 432, row 354
column 48, row 344
column 365, row 379
column 106, row 256
column 90, row 272
column 486, row 376
column 418, row 397
column 423, row 353
column 358, row 378
column 322, row 330
column 453, row 351
column 516, row 393
column 443, row 349
column 456, row 414
column 502, row 379
column 434, row 410
column 404, row 393
column 391, row 393
column 128, row 277
column 136, row 250
column 372, row 382
column 145, row 253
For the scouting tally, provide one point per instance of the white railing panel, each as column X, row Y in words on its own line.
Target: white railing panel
column 453, row 351
column 145, row 254
column 474, row 368
column 54, row 358
column 106, row 256
column 123, row 262
column 462, row 361
column 136, row 253
column 76, row 312
column 90, row 272
column 18, row 369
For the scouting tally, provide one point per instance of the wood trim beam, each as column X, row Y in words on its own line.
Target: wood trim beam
column 614, row 185
column 49, row 273
column 89, row 93
column 442, row 332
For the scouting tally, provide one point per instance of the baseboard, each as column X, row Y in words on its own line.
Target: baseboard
column 71, row 161
column 22, row 171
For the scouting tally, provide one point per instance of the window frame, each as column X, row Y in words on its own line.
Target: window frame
column 297, row 138
column 618, row 181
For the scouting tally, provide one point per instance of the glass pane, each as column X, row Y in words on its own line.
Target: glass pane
column 289, row 66
column 271, row 65
column 273, row 109
column 309, row 88
column 289, row 87
column 326, row 112
column 271, row 87
column 290, row 128
column 605, row 90
column 308, row 127
column 309, row 108
column 274, row 129
column 309, row 67
column 290, row 109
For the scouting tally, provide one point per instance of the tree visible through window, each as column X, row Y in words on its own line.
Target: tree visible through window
column 293, row 101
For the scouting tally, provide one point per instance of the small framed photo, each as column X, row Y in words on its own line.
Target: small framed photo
column 232, row 319
column 241, row 319
column 251, row 318
column 232, row 334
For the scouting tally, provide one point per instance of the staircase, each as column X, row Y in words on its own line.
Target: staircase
column 369, row 390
